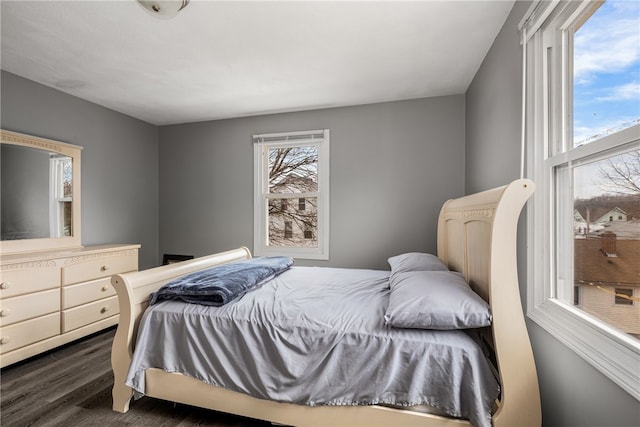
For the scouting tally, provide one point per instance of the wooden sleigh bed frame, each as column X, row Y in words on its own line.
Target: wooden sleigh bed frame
column 476, row 236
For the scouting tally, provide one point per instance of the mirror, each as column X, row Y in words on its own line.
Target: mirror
column 39, row 193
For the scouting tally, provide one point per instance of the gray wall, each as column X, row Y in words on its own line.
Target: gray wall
column 392, row 166
column 119, row 161
column 573, row 392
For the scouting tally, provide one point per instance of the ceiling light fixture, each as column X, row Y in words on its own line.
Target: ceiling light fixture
column 163, row 9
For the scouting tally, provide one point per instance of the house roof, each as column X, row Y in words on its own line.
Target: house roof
column 624, row 230
column 611, row 212
column 592, row 265
column 597, row 213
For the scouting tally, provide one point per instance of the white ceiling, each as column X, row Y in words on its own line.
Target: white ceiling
column 223, row 59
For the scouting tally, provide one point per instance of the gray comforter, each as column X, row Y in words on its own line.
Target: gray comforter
column 316, row 336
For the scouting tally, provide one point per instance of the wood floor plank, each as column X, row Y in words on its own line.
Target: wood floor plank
column 55, row 387
column 71, row 386
column 68, row 360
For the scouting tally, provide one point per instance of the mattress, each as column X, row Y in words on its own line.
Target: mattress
column 316, row 336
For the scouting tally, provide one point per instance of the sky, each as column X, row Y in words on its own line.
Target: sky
column 607, row 70
column 606, row 82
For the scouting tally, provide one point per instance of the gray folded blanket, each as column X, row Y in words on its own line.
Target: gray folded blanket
column 221, row 284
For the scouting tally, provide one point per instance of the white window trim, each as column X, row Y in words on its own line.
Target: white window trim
column 320, row 138
column 611, row 352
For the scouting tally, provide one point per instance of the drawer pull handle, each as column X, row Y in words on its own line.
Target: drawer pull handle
column 5, row 285
column 104, row 268
column 104, row 309
column 5, row 340
column 5, row 312
column 105, row 288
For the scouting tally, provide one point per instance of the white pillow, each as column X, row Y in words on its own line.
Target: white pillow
column 435, row 300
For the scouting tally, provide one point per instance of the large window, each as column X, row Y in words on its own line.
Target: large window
column 291, row 211
column 583, row 148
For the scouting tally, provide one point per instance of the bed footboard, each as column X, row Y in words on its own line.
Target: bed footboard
column 133, row 295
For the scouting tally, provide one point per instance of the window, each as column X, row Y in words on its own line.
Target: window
column 288, row 229
column 292, row 167
column 583, row 150
column 60, row 195
column 624, row 296
column 308, row 233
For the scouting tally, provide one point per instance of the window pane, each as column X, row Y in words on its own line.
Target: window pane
column 67, row 177
column 606, row 78
column 293, row 169
column 606, row 221
column 288, row 229
column 66, row 218
column 624, row 296
column 294, row 227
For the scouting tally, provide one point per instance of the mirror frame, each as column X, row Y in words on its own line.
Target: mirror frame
column 50, row 243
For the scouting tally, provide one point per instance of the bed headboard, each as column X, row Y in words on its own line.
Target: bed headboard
column 477, row 237
column 471, row 228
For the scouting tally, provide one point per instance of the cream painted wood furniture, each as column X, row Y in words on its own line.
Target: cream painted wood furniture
column 50, row 298
column 476, row 236
column 52, row 290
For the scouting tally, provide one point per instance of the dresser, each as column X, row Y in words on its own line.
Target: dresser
column 49, row 298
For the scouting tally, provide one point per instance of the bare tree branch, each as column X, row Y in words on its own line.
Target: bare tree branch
column 621, row 174
column 293, row 170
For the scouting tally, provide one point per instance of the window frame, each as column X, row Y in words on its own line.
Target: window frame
column 547, row 135
column 262, row 144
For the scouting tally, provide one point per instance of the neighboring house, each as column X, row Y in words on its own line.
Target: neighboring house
column 607, row 280
column 293, row 222
column 615, row 220
column 583, row 225
column 615, row 214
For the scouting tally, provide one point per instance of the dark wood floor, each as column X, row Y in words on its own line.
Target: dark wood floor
column 71, row 386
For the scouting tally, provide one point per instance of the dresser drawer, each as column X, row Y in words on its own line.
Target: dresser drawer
column 96, row 268
column 76, row 317
column 82, row 293
column 29, row 332
column 24, row 307
column 28, row 277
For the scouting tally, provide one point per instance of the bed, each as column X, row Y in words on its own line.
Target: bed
column 476, row 237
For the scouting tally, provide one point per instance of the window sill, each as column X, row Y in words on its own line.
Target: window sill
column 297, row 253
column 614, row 354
